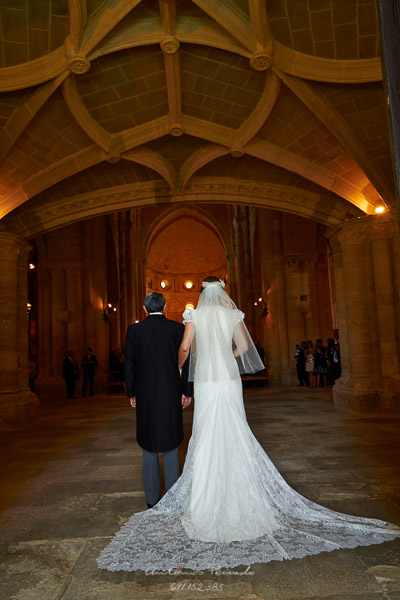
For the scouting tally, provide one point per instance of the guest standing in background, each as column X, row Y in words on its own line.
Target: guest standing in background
column 310, row 363
column 89, row 362
column 336, row 365
column 70, row 373
column 329, row 357
column 320, row 364
column 301, row 366
column 261, row 351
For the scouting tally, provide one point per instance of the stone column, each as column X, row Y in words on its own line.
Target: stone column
column 367, row 305
column 294, row 272
column 59, row 318
column 131, row 308
column 99, row 298
column 74, row 296
column 122, row 312
column 17, row 402
column 238, row 249
column 247, row 275
column 281, row 311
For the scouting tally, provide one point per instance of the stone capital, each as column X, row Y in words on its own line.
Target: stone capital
column 11, row 244
column 364, row 229
column 299, row 261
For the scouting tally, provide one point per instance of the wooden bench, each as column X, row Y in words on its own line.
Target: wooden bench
column 116, row 382
column 259, row 377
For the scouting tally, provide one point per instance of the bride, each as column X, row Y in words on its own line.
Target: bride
column 230, row 506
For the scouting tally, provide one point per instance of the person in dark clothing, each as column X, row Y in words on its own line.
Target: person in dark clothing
column 260, row 351
column 157, row 390
column 301, row 365
column 329, row 357
column 336, row 365
column 115, row 364
column 114, row 360
column 70, row 373
column 320, row 364
column 89, row 362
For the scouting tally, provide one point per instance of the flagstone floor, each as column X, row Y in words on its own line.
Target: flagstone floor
column 72, row 477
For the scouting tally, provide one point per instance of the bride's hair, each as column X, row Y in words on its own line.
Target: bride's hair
column 210, row 279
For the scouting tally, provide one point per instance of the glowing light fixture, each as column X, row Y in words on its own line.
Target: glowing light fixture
column 188, row 284
column 28, row 305
column 108, row 311
column 263, row 306
column 31, row 266
column 165, row 284
column 137, row 321
column 189, row 305
column 380, row 209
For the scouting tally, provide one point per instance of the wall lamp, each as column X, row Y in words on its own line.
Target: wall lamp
column 108, row 311
column 262, row 305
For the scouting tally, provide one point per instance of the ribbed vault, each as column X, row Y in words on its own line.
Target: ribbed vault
column 106, row 105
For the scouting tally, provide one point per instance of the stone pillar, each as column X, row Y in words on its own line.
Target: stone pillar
column 98, row 295
column 122, row 309
column 131, row 308
column 368, row 312
column 281, row 312
column 75, row 328
column 17, row 402
column 247, row 275
column 59, row 318
column 294, row 274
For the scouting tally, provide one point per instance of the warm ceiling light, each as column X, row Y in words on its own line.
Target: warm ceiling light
column 255, row 303
column 260, row 299
column 189, row 305
column 380, row 209
column 188, row 284
column 31, row 266
column 109, row 305
column 114, row 309
column 137, row 321
column 164, row 284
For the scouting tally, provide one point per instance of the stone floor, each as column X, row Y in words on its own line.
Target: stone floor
column 73, row 477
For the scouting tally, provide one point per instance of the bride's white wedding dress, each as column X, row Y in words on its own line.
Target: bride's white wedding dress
column 230, row 506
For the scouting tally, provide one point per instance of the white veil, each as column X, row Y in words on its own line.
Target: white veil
column 218, row 330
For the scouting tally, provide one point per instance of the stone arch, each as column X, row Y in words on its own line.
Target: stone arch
column 173, row 251
column 171, row 213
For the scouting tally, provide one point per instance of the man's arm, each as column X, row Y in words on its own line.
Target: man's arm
column 130, row 362
column 184, row 361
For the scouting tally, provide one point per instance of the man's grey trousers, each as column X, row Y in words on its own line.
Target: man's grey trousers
column 151, row 473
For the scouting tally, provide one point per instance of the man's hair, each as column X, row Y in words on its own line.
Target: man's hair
column 319, row 340
column 90, row 350
column 154, row 302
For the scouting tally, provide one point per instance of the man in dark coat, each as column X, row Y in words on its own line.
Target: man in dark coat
column 157, row 390
column 301, row 365
column 70, row 373
column 89, row 362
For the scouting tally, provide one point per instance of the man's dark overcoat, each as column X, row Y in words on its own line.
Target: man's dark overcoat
column 152, row 375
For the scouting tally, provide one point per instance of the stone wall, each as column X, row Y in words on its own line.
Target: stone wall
column 366, row 257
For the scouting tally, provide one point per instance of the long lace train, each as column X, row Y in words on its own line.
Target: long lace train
column 231, row 506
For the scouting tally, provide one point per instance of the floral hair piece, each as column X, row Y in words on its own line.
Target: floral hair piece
column 220, row 283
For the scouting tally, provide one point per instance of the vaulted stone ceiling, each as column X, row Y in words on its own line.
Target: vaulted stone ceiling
column 110, row 104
